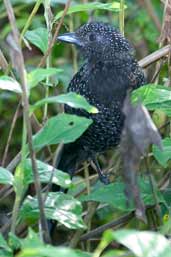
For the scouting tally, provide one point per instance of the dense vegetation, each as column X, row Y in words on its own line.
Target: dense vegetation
column 34, row 73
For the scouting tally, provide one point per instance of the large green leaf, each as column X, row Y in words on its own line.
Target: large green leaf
column 6, row 177
column 40, row 74
column 58, row 206
column 45, row 170
column 10, row 84
column 164, row 155
column 51, row 251
column 5, row 250
column 153, row 96
column 114, row 7
column 71, row 99
column 39, row 38
column 13, row 241
column 141, row 243
column 23, row 177
column 114, row 195
column 61, row 128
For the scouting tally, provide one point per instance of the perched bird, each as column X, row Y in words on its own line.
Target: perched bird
column 109, row 70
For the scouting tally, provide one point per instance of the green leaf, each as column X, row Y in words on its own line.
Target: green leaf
column 45, row 170
column 115, row 253
column 5, row 250
column 114, row 7
column 23, row 177
column 58, row 206
column 143, row 243
column 10, row 84
column 32, row 240
column 32, row 246
column 14, row 241
column 19, row 186
column 152, row 96
column 64, row 128
column 114, row 195
column 50, row 251
column 5, row 253
column 39, row 74
column 6, row 177
column 165, row 155
column 39, row 38
column 71, row 99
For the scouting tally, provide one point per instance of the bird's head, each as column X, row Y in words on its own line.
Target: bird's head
column 99, row 41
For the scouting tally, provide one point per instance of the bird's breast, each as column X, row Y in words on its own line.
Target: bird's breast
column 100, row 84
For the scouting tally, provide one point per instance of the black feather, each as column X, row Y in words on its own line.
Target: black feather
column 110, row 69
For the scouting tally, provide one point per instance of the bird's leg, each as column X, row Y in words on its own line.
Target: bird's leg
column 103, row 177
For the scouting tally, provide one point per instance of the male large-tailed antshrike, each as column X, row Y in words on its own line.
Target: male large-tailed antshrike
column 110, row 69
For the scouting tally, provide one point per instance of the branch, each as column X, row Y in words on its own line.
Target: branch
column 165, row 36
column 43, row 60
column 155, row 56
column 29, row 20
column 76, row 238
column 21, row 68
column 98, row 231
column 3, row 61
column 10, row 134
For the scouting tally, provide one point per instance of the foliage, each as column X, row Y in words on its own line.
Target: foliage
column 46, row 91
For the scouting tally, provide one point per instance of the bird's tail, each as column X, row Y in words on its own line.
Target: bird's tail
column 68, row 159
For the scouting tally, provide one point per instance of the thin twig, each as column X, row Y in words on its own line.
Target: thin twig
column 76, row 238
column 98, row 231
column 10, row 134
column 74, row 52
column 121, row 16
column 153, row 189
column 163, row 183
column 15, row 161
column 159, row 66
column 155, row 56
column 56, row 160
column 43, row 60
column 21, row 68
column 29, row 20
column 3, row 61
column 86, row 172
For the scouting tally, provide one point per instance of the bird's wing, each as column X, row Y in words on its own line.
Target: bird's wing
column 136, row 76
column 78, row 85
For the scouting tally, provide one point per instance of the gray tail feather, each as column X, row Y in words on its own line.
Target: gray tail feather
column 69, row 158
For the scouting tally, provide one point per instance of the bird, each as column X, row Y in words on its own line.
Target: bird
column 109, row 70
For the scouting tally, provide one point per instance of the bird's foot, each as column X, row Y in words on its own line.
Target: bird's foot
column 104, row 179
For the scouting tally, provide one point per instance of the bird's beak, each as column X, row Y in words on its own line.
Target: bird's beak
column 70, row 38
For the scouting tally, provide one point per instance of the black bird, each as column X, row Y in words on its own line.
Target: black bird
column 110, row 69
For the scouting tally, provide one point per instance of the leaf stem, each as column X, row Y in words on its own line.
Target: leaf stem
column 42, row 61
column 27, row 125
column 34, row 11
column 121, row 16
column 48, row 18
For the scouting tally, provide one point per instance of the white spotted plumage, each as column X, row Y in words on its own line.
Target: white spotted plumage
column 109, row 71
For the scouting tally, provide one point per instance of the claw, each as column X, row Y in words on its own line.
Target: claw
column 104, row 179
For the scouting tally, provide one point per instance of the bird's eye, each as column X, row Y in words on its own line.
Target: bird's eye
column 92, row 37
